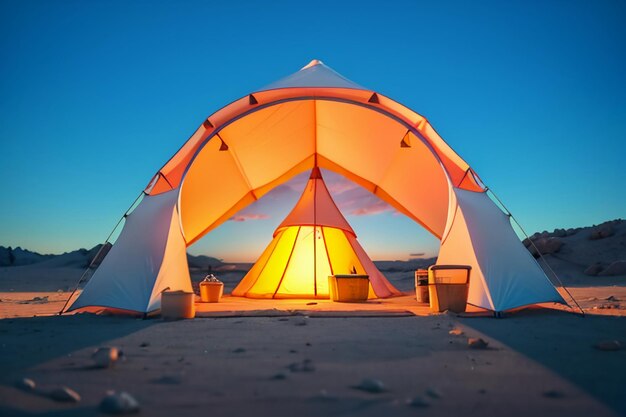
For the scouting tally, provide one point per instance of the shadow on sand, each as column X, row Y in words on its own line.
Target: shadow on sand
column 39, row 339
column 564, row 343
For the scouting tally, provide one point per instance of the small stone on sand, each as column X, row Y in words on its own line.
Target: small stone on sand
column 119, row 403
column 106, row 357
column 417, row 402
column 371, row 385
column 477, row 343
column 278, row 377
column 301, row 321
column 26, row 384
column 433, row 393
column 608, row 345
column 239, row 350
column 304, row 366
column 553, row 394
column 64, row 394
column 144, row 344
column 324, row 395
column 169, row 380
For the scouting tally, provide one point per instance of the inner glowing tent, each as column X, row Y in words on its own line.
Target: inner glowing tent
column 313, row 242
column 318, row 118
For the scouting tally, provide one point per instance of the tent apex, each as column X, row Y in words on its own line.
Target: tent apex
column 315, row 173
column 313, row 63
column 314, row 74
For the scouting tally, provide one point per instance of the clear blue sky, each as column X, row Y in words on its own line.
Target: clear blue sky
column 96, row 95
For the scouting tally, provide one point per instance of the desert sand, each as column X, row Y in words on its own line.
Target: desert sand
column 539, row 361
column 290, row 358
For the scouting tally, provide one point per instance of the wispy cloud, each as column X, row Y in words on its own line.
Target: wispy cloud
column 340, row 185
column 374, row 207
column 352, row 199
column 357, row 201
column 244, row 217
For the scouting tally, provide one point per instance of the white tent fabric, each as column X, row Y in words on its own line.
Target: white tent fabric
column 504, row 275
column 315, row 74
column 148, row 257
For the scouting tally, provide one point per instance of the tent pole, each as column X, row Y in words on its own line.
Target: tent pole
column 582, row 312
column 315, row 235
column 82, row 277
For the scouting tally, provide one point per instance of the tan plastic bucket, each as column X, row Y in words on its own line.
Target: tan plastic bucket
column 421, row 285
column 448, row 287
column 211, row 292
column 350, row 288
column 176, row 305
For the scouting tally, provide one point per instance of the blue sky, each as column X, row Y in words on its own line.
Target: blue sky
column 95, row 96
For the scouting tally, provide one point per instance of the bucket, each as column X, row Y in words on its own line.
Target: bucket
column 176, row 305
column 211, row 292
column 421, row 285
column 351, row 288
column 448, row 286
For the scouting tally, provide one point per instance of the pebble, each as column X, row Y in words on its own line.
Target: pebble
column 144, row 344
column 417, row 402
column 324, row 395
column 433, row 393
column 26, row 384
column 106, row 357
column 553, row 394
column 301, row 321
column 477, row 343
column 279, row 376
column 456, row 332
column 304, row 366
column 169, row 380
column 371, row 385
column 119, row 403
column 239, row 350
column 64, row 394
column 608, row 345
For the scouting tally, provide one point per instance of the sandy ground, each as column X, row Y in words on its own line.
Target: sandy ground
column 540, row 361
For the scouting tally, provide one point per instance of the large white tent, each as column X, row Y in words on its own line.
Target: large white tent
column 314, row 118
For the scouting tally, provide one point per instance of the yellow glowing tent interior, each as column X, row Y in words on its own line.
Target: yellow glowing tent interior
column 314, row 117
column 313, row 242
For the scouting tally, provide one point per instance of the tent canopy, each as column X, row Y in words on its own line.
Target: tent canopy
column 315, row 118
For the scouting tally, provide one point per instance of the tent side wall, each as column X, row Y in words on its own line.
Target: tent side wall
column 504, row 275
column 148, row 256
